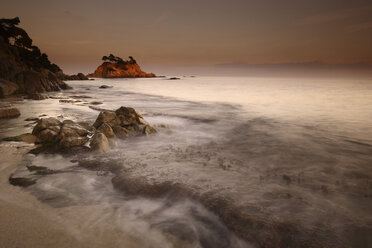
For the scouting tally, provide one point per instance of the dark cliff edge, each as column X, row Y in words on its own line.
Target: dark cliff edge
column 116, row 67
column 23, row 68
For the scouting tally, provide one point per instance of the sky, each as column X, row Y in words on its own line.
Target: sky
column 189, row 36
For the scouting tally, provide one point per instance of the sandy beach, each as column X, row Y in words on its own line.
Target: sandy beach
column 26, row 222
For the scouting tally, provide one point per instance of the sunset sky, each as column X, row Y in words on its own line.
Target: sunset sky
column 166, row 35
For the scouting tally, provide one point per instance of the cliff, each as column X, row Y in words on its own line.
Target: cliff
column 115, row 67
column 23, row 68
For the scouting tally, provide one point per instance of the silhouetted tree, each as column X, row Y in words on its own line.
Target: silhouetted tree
column 132, row 60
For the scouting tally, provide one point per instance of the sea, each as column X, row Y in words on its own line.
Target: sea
column 241, row 161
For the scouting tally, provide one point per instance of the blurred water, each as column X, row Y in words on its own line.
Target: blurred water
column 281, row 150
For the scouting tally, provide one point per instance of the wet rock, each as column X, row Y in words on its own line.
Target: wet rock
column 148, row 130
column 128, row 116
column 106, row 130
column 174, row 78
column 80, row 96
column 44, row 124
column 108, row 117
column 32, row 119
column 124, row 122
column 96, row 103
column 69, row 101
column 49, row 134
column 36, row 96
column 105, row 86
column 22, row 181
column 8, row 111
column 72, row 134
column 120, row 132
column 100, row 143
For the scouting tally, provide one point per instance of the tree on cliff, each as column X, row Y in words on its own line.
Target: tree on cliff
column 13, row 34
column 113, row 59
column 132, row 60
column 29, row 54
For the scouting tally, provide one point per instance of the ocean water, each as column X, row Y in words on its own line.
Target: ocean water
column 291, row 160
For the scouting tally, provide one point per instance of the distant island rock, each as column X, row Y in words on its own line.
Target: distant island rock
column 116, row 67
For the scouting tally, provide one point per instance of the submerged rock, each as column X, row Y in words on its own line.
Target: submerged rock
column 105, row 86
column 8, row 111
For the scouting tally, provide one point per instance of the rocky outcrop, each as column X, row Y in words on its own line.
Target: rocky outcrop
column 120, row 69
column 108, row 127
column 79, row 76
column 66, row 134
column 100, row 143
column 8, row 111
column 23, row 68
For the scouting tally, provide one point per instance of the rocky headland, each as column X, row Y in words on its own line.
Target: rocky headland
column 116, row 67
column 24, row 69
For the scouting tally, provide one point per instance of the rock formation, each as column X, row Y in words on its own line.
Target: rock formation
column 109, row 125
column 23, row 68
column 115, row 67
column 8, row 111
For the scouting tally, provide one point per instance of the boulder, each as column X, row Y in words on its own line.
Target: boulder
column 106, row 130
column 128, row 116
column 72, row 134
column 48, row 135
column 105, row 86
column 108, row 117
column 44, row 124
column 8, row 111
column 124, row 122
column 36, row 96
column 100, row 143
column 148, row 130
column 120, row 132
column 81, row 76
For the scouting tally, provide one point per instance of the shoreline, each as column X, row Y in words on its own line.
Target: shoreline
column 40, row 225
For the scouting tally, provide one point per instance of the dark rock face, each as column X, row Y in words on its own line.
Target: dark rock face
column 36, row 96
column 23, row 69
column 8, row 111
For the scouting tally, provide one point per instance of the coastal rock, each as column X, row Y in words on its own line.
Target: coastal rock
column 106, row 130
column 7, row 88
column 44, row 124
column 174, row 78
column 105, row 86
column 118, row 68
column 120, row 132
column 100, row 143
column 8, row 111
column 108, row 117
column 49, row 134
column 23, row 68
column 148, row 130
column 72, row 134
column 36, row 96
column 79, row 76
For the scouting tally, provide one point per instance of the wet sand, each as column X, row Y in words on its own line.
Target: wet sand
column 26, row 222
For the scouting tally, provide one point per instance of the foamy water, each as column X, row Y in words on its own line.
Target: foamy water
column 281, row 150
